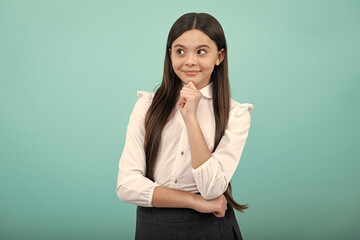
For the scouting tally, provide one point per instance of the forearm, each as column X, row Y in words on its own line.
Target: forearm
column 168, row 197
column 200, row 152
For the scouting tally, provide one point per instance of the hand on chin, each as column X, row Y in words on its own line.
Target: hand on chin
column 189, row 100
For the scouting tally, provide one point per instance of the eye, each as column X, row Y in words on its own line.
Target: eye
column 179, row 51
column 202, row 51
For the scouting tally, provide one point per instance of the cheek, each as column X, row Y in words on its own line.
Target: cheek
column 207, row 65
column 176, row 63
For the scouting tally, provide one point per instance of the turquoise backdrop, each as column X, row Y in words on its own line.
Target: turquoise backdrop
column 69, row 72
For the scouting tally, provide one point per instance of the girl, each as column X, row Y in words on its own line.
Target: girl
column 184, row 141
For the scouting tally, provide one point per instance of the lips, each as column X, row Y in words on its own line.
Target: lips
column 191, row 72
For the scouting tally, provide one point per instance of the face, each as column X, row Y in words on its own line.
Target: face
column 194, row 56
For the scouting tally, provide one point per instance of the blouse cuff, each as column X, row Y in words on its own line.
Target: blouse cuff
column 150, row 194
column 209, row 179
column 205, row 166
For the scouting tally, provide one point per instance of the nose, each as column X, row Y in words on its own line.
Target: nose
column 191, row 59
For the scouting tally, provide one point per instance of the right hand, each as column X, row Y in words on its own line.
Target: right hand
column 217, row 205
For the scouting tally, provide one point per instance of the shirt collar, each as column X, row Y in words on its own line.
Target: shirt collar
column 206, row 91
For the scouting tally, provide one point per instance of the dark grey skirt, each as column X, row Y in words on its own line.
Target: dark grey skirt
column 185, row 224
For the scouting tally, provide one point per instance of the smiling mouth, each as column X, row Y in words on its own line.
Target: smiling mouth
column 191, row 73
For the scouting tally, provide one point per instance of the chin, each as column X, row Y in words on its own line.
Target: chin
column 186, row 81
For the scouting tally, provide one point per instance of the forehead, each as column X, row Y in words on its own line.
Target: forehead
column 194, row 38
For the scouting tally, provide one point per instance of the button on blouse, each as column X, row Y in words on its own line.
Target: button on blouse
column 173, row 167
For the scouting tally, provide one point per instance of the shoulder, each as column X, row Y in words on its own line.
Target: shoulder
column 143, row 102
column 239, row 109
column 144, row 97
column 148, row 96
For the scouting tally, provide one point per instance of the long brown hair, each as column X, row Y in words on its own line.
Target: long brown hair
column 165, row 98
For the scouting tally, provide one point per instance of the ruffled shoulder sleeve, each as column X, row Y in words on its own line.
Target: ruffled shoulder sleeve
column 240, row 109
column 143, row 103
column 146, row 95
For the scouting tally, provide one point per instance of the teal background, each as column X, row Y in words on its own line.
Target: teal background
column 69, row 72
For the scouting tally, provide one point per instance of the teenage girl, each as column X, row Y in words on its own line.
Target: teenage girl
column 184, row 141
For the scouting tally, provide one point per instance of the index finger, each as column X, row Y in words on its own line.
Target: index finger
column 191, row 85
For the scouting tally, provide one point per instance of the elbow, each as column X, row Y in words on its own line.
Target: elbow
column 119, row 192
column 210, row 179
column 124, row 194
column 214, row 191
column 122, row 186
column 134, row 191
column 209, row 196
column 122, row 189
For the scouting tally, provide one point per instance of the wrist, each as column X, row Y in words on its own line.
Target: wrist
column 195, row 201
column 190, row 120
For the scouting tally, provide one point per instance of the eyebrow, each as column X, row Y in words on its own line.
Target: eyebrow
column 200, row 46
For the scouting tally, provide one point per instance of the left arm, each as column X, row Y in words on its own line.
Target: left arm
column 212, row 171
column 200, row 152
column 189, row 101
column 213, row 176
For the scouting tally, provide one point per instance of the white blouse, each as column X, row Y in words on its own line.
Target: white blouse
column 173, row 167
